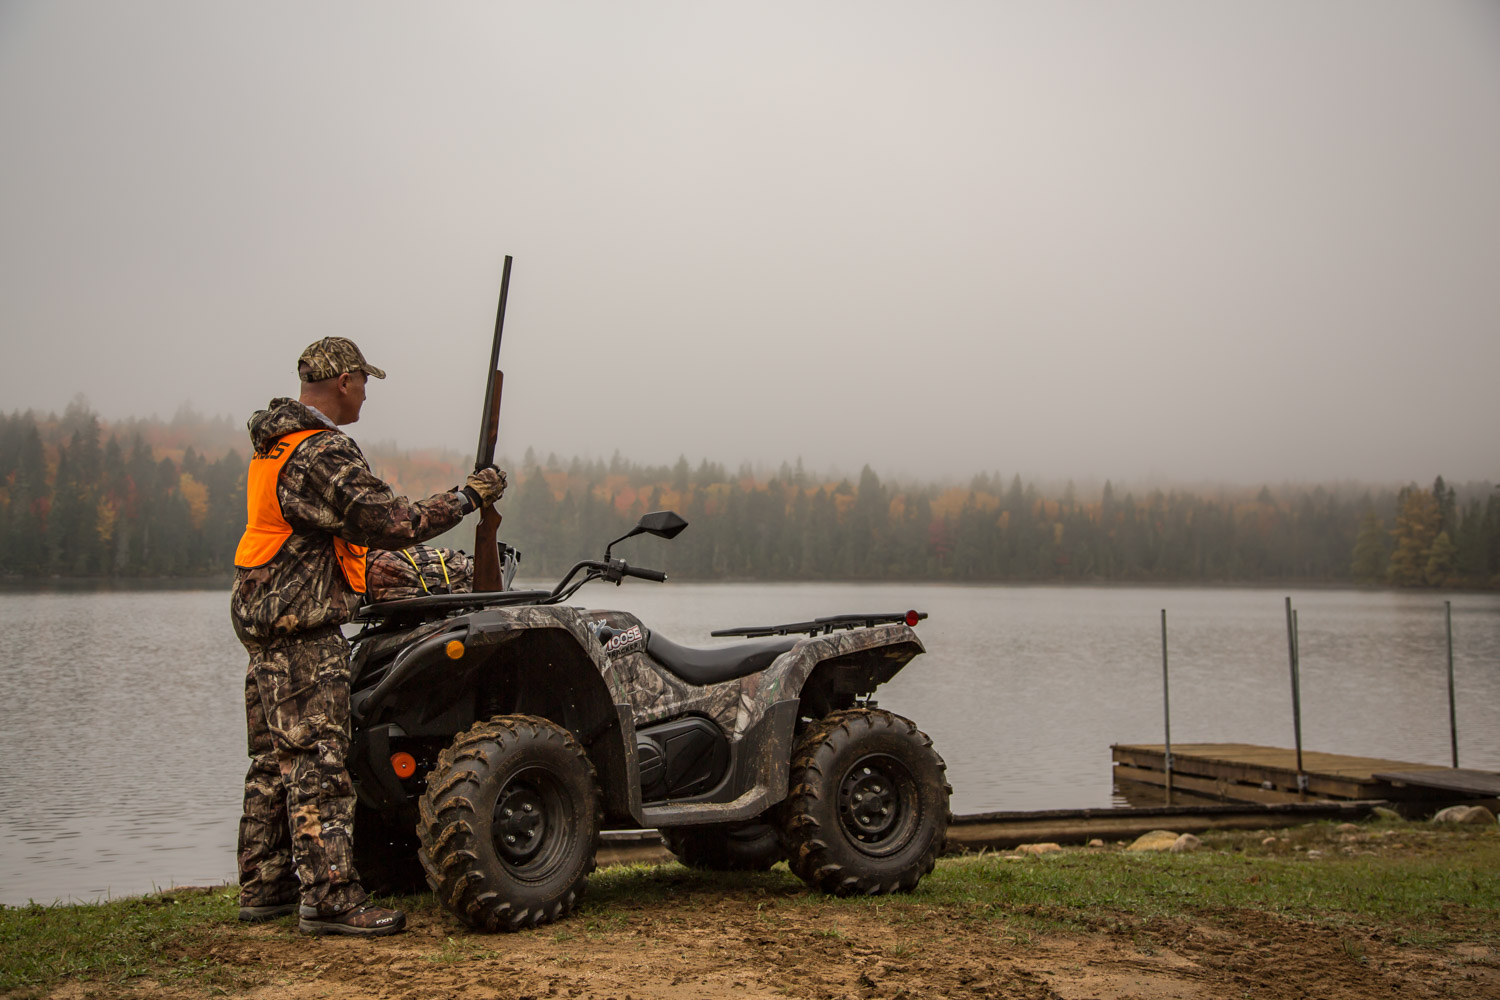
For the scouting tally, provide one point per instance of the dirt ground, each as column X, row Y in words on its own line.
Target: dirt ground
column 752, row 941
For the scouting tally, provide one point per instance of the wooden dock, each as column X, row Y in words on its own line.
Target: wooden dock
column 1245, row 772
column 1459, row 780
column 1339, row 787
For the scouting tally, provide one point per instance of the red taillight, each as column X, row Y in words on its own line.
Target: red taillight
column 912, row 618
column 404, row 764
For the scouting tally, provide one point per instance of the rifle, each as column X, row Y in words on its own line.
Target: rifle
column 488, row 573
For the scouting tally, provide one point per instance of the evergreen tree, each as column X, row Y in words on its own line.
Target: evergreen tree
column 1447, row 502
column 1488, row 542
column 1440, row 560
column 25, row 552
column 73, row 531
column 867, row 528
column 1416, row 527
column 532, row 525
column 1369, row 550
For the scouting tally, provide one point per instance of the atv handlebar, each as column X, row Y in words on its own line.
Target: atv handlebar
column 661, row 523
column 611, row 570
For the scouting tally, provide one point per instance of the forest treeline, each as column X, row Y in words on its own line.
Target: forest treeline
column 152, row 498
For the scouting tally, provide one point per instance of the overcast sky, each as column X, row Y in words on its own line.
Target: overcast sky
column 1239, row 241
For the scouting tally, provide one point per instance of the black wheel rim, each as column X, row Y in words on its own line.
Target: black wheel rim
column 878, row 804
column 532, row 824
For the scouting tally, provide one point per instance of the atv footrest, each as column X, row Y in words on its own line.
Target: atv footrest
column 749, row 805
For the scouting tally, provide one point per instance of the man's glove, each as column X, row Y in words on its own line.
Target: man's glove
column 484, row 486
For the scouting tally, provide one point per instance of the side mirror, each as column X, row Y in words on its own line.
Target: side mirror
column 661, row 523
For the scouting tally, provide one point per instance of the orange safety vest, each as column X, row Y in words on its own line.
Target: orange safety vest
column 266, row 529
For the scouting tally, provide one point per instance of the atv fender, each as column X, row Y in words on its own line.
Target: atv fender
column 540, row 661
column 830, row 671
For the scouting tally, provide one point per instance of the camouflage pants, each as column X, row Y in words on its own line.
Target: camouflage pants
column 296, row 832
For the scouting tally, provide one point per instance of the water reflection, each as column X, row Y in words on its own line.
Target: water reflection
column 124, row 730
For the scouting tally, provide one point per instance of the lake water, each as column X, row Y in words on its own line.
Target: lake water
column 123, row 734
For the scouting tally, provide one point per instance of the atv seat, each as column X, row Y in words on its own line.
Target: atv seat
column 717, row 664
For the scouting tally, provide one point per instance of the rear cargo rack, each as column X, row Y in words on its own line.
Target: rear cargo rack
column 822, row 625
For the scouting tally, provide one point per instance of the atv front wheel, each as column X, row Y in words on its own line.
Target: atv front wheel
column 868, row 808
column 751, row 846
column 510, row 823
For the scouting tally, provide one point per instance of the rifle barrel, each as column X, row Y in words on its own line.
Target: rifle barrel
column 489, row 427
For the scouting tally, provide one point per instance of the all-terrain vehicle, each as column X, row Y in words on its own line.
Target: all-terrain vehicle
column 496, row 734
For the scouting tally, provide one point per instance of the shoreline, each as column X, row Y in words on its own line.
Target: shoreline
column 1379, row 908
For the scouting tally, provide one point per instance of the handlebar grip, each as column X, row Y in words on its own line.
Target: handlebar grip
column 654, row 575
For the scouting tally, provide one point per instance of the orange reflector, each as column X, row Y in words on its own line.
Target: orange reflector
column 404, row 764
column 455, row 649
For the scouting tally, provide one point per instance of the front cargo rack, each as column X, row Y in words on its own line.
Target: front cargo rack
column 441, row 604
column 824, row 626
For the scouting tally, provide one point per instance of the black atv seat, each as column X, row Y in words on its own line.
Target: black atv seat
column 718, row 664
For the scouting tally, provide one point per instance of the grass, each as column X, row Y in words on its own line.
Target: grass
column 1437, row 887
column 115, row 940
column 1081, row 888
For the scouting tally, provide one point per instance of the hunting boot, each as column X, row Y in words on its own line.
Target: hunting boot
column 364, row 920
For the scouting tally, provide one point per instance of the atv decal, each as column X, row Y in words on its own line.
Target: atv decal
column 625, row 642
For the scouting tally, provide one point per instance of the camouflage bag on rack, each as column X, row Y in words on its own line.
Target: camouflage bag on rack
column 417, row 572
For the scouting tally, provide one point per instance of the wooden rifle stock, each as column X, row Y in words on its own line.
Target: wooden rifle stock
column 488, row 573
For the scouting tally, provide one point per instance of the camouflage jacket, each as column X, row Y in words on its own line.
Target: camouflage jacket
column 326, row 489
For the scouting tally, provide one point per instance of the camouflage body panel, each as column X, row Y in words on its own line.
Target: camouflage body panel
column 501, row 620
column 417, row 571
column 655, row 693
column 633, row 690
column 296, row 827
column 326, row 489
column 785, row 678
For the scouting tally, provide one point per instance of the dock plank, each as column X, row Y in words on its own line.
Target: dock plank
column 1464, row 781
column 1217, row 789
column 1253, row 772
column 1278, row 758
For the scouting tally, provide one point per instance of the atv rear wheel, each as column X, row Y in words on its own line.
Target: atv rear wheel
column 751, row 846
column 510, row 823
column 868, row 808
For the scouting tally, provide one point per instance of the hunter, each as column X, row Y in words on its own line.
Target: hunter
column 314, row 508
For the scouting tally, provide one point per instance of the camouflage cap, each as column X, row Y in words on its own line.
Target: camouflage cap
column 331, row 357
